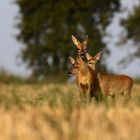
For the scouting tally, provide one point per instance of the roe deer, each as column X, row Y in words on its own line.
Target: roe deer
column 112, row 85
column 81, row 47
column 75, row 66
column 86, row 79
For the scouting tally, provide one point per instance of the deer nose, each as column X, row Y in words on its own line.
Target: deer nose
column 82, row 54
column 70, row 73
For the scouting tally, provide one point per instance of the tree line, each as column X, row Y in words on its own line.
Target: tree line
column 46, row 26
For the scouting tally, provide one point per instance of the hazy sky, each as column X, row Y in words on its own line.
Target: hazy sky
column 9, row 47
column 119, row 52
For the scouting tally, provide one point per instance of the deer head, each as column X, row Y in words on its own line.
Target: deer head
column 91, row 61
column 75, row 66
column 81, row 47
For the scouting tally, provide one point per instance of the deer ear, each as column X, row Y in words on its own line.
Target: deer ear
column 92, row 67
column 75, row 41
column 71, row 60
column 88, row 56
column 98, row 56
column 85, row 40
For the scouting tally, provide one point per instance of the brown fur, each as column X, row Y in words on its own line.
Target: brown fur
column 112, row 85
column 81, row 47
column 86, row 78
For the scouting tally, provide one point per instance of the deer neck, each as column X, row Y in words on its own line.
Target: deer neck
column 83, row 69
column 94, row 74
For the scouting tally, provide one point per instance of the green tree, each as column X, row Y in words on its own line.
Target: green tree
column 132, row 26
column 46, row 27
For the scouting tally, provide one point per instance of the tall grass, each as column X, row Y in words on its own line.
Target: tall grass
column 54, row 112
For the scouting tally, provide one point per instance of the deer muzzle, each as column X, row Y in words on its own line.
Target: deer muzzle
column 70, row 73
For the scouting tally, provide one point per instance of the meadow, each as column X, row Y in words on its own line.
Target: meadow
column 53, row 111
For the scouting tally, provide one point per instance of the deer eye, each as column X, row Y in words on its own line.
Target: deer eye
column 78, row 49
column 91, row 63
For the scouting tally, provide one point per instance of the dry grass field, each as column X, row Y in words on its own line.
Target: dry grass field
column 54, row 112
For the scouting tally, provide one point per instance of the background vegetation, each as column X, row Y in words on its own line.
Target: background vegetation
column 40, row 109
column 131, row 25
column 46, row 26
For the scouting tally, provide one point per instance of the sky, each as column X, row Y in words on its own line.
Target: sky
column 10, row 48
column 117, row 53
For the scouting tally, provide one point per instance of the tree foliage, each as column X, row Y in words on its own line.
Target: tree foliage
column 46, row 27
column 132, row 26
